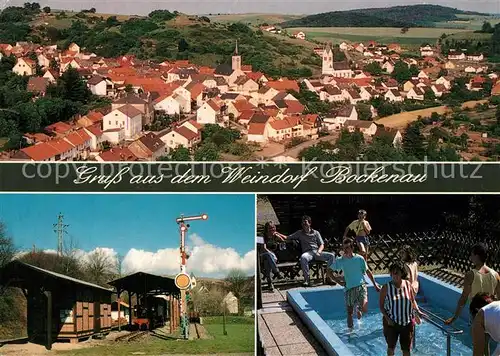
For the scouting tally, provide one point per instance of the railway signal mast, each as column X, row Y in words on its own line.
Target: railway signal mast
column 183, row 279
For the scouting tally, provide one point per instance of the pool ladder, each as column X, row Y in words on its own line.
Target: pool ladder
column 446, row 330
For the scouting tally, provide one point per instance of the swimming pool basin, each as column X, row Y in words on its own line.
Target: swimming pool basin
column 323, row 311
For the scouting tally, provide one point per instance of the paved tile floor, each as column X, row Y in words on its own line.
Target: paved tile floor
column 281, row 330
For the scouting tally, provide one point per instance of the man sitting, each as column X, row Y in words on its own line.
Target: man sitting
column 312, row 246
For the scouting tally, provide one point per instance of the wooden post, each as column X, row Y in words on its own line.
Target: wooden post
column 48, row 345
column 259, row 282
column 130, row 310
column 170, row 314
column 118, row 301
column 224, row 320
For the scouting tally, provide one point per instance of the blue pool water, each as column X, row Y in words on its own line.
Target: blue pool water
column 322, row 311
column 367, row 337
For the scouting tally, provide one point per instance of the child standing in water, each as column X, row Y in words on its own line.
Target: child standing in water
column 362, row 229
column 409, row 258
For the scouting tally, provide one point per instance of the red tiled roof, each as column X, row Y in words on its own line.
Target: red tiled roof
column 196, row 90
column 78, row 137
column 256, row 129
column 185, row 132
column 95, row 130
column 58, row 127
column 94, row 116
column 255, row 76
column 285, row 84
column 195, row 124
column 40, row 152
column 242, row 105
column 294, row 107
column 118, row 154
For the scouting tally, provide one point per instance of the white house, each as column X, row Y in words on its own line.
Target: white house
column 168, row 105
column 208, row 112
column 475, row 57
column 231, row 303
column 444, row 81
column 127, row 117
column 25, row 66
column 415, row 93
column 393, row 95
column 180, row 136
column 97, row 85
column 388, row 67
column 456, row 56
column 426, row 51
column 366, row 127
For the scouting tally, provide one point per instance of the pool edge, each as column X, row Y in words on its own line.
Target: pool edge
column 327, row 338
column 332, row 344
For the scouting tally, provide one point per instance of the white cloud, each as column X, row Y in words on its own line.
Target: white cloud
column 206, row 260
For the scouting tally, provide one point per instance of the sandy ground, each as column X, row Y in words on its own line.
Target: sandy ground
column 36, row 350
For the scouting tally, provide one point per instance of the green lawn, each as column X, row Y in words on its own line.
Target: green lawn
column 240, row 338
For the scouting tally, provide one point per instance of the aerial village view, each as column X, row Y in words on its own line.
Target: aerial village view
column 77, row 284
column 406, row 82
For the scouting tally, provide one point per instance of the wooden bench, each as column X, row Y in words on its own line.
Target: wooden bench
column 289, row 265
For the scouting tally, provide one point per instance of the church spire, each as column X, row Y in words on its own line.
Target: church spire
column 236, row 48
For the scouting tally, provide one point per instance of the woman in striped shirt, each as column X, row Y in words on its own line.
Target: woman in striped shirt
column 400, row 310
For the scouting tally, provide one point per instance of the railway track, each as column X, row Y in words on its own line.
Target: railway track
column 132, row 336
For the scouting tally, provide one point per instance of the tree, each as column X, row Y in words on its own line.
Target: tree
column 70, row 86
column 237, row 281
column 364, row 111
column 207, row 152
column 373, row 68
column 413, row 141
column 7, row 249
column 179, row 154
column 100, row 267
column 182, row 45
column 487, row 28
column 401, row 72
column 382, row 149
column 443, row 72
column 46, row 9
column 429, row 95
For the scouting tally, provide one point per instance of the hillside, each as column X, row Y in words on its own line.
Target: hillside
column 160, row 36
column 396, row 16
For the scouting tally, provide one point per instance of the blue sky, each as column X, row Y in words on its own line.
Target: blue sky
column 144, row 223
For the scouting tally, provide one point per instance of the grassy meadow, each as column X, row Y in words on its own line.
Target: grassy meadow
column 381, row 34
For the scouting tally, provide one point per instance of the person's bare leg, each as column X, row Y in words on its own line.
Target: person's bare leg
column 406, row 353
column 350, row 321
column 390, row 352
column 362, row 250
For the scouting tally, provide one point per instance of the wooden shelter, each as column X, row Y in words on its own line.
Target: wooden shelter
column 157, row 299
column 59, row 307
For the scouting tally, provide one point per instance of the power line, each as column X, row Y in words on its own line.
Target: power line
column 60, row 230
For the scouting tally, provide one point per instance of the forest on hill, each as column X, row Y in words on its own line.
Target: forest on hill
column 160, row 36
column 396, row 16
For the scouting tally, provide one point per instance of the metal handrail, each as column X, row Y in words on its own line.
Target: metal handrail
column 442, row 328
column 454, row 332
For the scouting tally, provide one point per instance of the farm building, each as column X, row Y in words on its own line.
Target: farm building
column 59, row 307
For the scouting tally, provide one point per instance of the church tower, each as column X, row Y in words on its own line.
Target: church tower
column 236, row 60
column 327, row 60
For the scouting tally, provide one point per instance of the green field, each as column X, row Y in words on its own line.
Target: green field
column 253, row 19
column 240, row 338
column 381, row 34
column 470, row 22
